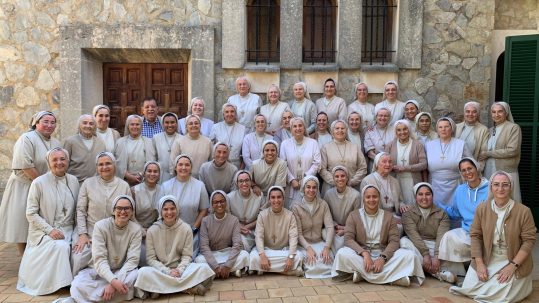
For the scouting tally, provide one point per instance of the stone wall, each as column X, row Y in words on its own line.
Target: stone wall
column 30, row 48
column 456, row 61
column 516, row 14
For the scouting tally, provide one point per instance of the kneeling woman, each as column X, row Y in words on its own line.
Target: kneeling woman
column 425, row 225
column 503, row 236
column 50, row 211
column 169, row 251
column 220, row 240
column 371, row 251
column 312, row 215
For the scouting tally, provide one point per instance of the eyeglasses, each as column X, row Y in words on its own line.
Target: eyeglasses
column 219, row 202
column 502, row 185
column 123, row 208
column 244, row 181
column 467, row 170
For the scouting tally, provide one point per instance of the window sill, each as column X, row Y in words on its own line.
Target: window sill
column 378, row 67
column 262, row 67
column 320, row 67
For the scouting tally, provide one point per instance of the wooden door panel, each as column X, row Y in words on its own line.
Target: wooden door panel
column 126, row 85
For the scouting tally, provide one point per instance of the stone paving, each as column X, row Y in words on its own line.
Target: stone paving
column 268, row 288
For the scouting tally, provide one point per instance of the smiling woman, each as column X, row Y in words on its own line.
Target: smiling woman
column 28, row 163
column 83, row 148
column 51, row 214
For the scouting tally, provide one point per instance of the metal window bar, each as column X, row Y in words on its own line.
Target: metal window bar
column 265, row 50
column 377, row 30
column 320, row 47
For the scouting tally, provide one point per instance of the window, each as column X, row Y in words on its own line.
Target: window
column 378, row 16
column 319, row 28
column 263, row 29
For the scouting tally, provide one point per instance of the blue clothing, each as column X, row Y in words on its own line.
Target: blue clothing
column 465, row 200
column 150, row 129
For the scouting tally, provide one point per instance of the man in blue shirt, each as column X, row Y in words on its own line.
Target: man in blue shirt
column 151, row 124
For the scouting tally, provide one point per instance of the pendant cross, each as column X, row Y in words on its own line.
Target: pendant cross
column 274, row 238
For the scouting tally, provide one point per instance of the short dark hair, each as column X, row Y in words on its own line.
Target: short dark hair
column 148, row 98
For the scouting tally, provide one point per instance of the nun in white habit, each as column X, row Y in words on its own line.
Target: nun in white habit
column 50, row 211
column 169, row 252
column 246, row 205
column 115, row 255
column 133, row 151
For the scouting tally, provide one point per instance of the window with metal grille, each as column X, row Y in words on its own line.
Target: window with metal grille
column 319, row 28
column 378, row 24
column 263, row 31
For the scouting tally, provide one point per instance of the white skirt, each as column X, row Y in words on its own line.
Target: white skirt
column 492, row 291
column 403, row 264
column 221, row 256
column 455, row 246
column 456, row 268
column 152, row 280
column 81, row 260
column 13, row 222
column 88, row 286
column 45, row 268
column 318, row 270
column 248, row 241
column 277, row 259
column 338, row 241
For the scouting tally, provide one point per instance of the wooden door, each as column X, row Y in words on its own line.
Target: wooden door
column 126, row 84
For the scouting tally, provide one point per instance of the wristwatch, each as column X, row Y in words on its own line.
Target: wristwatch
column 383, row 257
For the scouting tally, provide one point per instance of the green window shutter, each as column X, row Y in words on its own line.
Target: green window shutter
column 521, row 91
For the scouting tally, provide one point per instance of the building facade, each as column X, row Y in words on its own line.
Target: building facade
column 67, row 56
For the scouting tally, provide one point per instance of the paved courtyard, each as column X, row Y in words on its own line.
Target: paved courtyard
column 268, row 288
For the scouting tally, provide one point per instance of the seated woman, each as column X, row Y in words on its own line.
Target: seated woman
column 169, row 251
column 276, row 239
column 455, row 244
column 371, row 251
column 146, row 196
column 245, row 205
column 220, row 240
column 342, row 200
column 50, row 212
column 503, row 235
column 94, row 203
column 116, row 252
column 312, row 216
column 252, row 143
column 425, row 225
column 388, row 186
column 269, row 170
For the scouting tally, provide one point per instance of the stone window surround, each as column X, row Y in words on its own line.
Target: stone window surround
column 349, row 15
column 81, row 71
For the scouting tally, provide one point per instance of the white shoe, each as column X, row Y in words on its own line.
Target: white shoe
column 404, row 281
column 446, row 276
column 237, row 273
column 260, row 273
column 356, row 278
